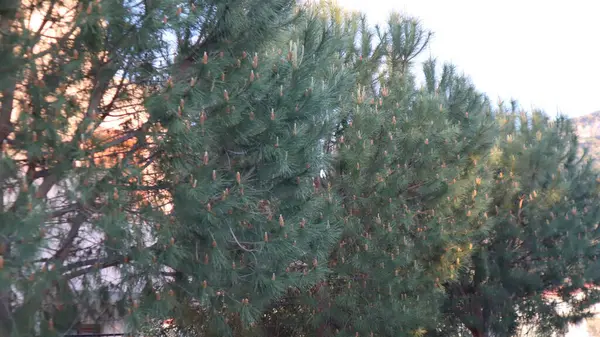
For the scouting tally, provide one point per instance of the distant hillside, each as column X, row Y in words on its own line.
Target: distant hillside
column 588, row 129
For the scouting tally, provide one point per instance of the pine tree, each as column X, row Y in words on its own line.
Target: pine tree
column 411, row 183
column 249, row 220
column 108, row 107
column 542, row 235
column 72, row 169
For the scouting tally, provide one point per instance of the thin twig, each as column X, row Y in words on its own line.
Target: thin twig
column 239, row 244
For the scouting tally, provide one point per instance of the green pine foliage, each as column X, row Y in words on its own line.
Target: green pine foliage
column 99, row 142
column 409, row 173
column 267, row 168
column 249, row 221
column 70, row 188
column 542, row 233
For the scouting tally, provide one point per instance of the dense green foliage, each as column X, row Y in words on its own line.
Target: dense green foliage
column 119, row 147
column 542, row 234
column 247, row 212
column 408, row 172
column 268, row 168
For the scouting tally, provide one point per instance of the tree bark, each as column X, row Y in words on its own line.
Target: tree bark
column 476, row 332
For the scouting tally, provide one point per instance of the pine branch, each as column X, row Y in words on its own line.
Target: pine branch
column 76, row 223
column 242, row 246
column 101, row 264
column 63, row 252
column 104, row 75
column 71, row 208
column 47, row 18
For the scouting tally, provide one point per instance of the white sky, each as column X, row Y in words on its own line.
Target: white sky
column 545, row 54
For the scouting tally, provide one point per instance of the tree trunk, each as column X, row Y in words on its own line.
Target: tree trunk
column 476, row 332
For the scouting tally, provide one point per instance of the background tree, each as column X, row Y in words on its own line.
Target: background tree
column 542, row 233
column 409, row 173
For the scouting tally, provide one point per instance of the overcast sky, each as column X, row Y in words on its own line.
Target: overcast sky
column 546, row 54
